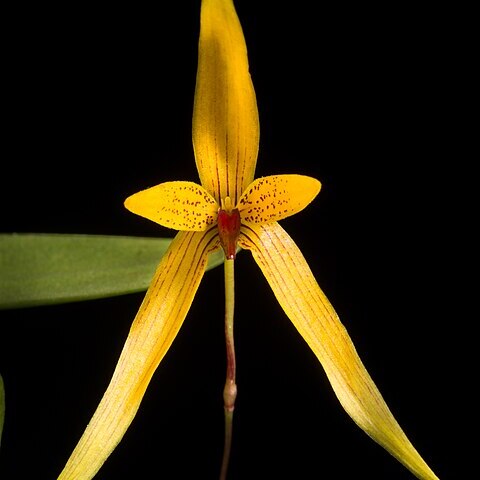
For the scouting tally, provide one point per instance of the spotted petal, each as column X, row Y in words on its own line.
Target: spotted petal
column 157, row 323
column 179, row 205
column 308, row 308
column 225, row 116
column 272, row 198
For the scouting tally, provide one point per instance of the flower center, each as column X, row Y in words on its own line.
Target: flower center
column 228, row 228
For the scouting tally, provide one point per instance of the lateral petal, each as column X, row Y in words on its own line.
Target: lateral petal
column 308, row 308
column 272, row 198
column 225, row 116
column 157, row 323
column 180, row 205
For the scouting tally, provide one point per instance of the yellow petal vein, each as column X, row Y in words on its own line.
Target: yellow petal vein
column 161, row 314
column 225, row 116
column 308, row 308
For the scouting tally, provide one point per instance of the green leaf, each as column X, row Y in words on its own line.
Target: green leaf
column 42, row 269
column 2, row 407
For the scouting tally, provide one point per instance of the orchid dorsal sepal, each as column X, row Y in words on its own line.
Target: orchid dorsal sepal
column 275, row 197
column 180, row 205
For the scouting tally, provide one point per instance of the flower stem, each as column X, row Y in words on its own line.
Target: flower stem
column 230, row 390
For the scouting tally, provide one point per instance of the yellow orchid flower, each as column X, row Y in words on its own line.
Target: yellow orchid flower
column 230, row 209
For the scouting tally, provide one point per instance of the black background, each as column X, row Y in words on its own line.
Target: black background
column 98, row 106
